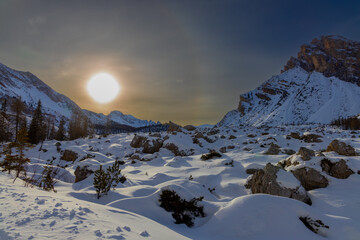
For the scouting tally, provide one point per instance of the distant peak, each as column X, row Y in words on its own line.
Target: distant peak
column 332, row 55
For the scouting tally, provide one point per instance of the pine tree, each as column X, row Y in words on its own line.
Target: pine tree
column 22, row 144
column 37, row 129
column 47, row 182
column 115, row 174
column 102, row 182
column 4, row 126
column 18, row 107
column 60, row 134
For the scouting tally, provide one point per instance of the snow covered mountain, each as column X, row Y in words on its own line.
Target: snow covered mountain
column 320, row 85
column 14, row 84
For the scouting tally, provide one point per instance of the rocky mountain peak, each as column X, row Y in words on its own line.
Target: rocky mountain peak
column 330, row 55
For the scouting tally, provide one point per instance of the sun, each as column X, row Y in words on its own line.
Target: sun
column 103, row 87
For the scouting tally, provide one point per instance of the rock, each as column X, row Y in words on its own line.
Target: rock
column 294, row 135
column 337, row 170
column 341, row 148
column 148, row 145
column 251, row 135
column 190, row 128
column 175, row 150
column 251, row 170
column 69, row 156
column 138, row 141
column 288, row 151
column 213, row 132
column 157, row 135
column 273, row 150
column 330, row 56
column 310, row 178
column 82, row 172
column 232, row 137
column 305, row 153
column 222, row 150
column 173, row 127
column 266, row 181
column 199, row 135
column 311, row 138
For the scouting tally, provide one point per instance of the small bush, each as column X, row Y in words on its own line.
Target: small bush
column 210, row 155
column 104, row 180
column 182, row 211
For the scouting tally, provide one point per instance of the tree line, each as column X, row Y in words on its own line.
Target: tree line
column 349, row 123
column 42, row 127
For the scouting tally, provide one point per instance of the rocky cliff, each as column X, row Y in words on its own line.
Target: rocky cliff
column 318, row 86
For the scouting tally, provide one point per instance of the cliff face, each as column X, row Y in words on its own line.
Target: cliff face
column 318, row 86
column 330, row 55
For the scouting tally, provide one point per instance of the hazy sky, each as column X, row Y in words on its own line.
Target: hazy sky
column 185, row 61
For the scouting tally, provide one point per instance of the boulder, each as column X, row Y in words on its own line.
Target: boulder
column 341, row 148
column 175, row 150
column 190, row 128
column 173, row 127
column 199, row 135
column 69, row 156
column 337, row 170
column 288, row 151
column 274, row 149
column 148, row 145
column 311, row 138
column 266, row 181
column 232, row 137
column 138, row 141
column 306, row 153
column 152, row 146
column 82, row 172
column 310, row 178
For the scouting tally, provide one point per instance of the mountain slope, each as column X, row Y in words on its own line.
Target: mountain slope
column 309, row 90
column 31, row 89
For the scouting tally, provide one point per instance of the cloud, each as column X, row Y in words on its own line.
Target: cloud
column 35, row 24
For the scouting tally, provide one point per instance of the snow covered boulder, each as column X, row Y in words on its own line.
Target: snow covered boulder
column 276, row 181
column 310, row 178
column 172, row 147
column 306, row 153
column 341, row 148
column 148, row 145
column 69, row 156
column 337, row 170
column 82, row 173
column 274, row 149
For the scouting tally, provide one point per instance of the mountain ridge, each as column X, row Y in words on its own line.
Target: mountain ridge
column 318, row 86
column 31, row 89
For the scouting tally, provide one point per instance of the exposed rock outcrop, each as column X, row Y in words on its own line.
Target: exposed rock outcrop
column 330, row 55
column 148, row 145
column 69, row 156
column 310, row 178
column 341, row 148
column 306, row 153
column 266, row 181
column 337, row 170
column 273, row 150
column 82, row 173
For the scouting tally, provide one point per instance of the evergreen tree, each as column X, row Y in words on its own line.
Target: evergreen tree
column 47, row 182
column 22, row 144
column 37, row 129
column 60, row 134
column 17, row 107
column 4, row 125
column 102, row 182
column 115, row 174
